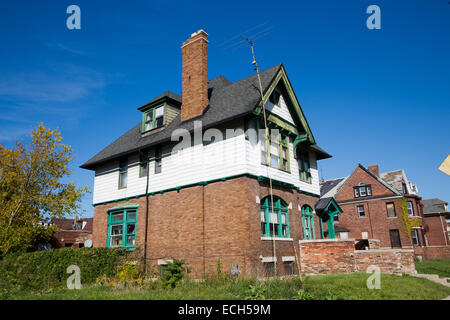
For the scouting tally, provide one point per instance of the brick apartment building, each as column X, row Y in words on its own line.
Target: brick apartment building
column 210, row 199
column 372, row 207
column 437, row 225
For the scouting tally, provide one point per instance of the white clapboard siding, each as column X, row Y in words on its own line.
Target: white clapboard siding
column 280, row 110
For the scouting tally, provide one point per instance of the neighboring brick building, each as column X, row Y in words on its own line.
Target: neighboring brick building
column 208, row 197
column 72, row 233
column 372, row 207
column 437, row 225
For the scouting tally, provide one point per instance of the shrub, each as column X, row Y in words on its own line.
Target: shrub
column 173, row 273
column 48, row 269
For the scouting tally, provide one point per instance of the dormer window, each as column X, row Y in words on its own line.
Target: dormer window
column 153, row 118
column 275, row 97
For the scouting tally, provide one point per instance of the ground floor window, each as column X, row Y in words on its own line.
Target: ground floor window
column 122, row 228
column 415, row 237
column 288, row 267
column 395, row 238
column 269, row 269
column 274, row 223
column 308, row 223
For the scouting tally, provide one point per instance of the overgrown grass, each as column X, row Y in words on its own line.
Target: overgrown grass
column 439, row 267
column 348, row 286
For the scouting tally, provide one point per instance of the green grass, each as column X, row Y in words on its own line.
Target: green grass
column 349, row 286
column 439, row 267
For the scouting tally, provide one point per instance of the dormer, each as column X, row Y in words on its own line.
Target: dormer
column 159, row 112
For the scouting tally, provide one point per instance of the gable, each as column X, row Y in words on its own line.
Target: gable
column 359, row 177
column 288, row 109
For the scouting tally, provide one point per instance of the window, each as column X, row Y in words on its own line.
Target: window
column 123, row 168
column 361, row 212
column 415, row 237
column 304, row 169
column 410, row 209
column 362, row 190
column 390, row 210
column 153, row 118
column 158, row 159
column 274, row 223
column 143, row 164
column 288, row 267
column 336, row 218
column 308, row 223
column 278, row 154
column 395, row 238
column 269, row 269
column 404, row 189
column 122, row 228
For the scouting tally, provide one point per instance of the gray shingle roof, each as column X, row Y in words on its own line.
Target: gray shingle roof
column 327, row 185
column 433, row 205
column 227, row 102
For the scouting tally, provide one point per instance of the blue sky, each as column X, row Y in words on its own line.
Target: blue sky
column 370, row 96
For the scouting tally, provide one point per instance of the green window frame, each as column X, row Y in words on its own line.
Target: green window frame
column 153, row 118
column 304, row 167
column 308, row 223
column 122, row 224
column 275, row 97
column 123, row 173
column 276, row 224
column 277, row 155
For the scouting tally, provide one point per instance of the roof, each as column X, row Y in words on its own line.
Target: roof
column 227, row 101
column 394, row 178
column 328, row 185
column 433, row 205
column 339, row 229
column 69, row 224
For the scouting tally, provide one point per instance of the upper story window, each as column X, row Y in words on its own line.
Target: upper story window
column 404, row 189
column 410, row 209
column 122, row 228
column 277, row 155
column 143, row 164
column 361, row 212
column 362, row 190
column 123, row 172
column 390, row 208
column 153, row 118
column 275, row 97
column 274, row 223
column 304, row 168
column 158, row 159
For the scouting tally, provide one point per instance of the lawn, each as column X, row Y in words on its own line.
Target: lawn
column 439, row 267
column 349, row 286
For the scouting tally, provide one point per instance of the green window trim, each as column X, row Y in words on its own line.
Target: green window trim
column 122, row 225
column 123, row 172
column 158, row 160
column 283, row 162
column 149, row 117
column 280, row 209
column 143, row 165
column 309, row 232
column 304, row 167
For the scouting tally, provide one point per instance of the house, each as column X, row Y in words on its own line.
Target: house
column 437, row 223
column 71, row 233
column 196, row 172
column 376, row 205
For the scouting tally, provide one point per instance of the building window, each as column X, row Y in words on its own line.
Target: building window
column 143, row 164
column 304, row 169
column 123, row 172
column 336, row 218
column 269, row 269
column 404, row 189
column 410, row 209
column 274, row 223
column 277, row 156
column 390, row 208
column 362, row 190
column 153, row 118
column 308, row 223
column 361, row 212
column 415, row 237
column 158, row 159
column 122, row 228
column 275, row 97
column 288, row 267
column 395, row 238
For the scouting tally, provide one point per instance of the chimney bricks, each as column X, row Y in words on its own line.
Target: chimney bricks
column 374, row 169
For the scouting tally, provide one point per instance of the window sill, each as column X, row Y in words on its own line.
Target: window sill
column 277, row 238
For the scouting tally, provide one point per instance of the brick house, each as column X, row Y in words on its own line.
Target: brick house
column 437, row 224
column 374, row 206
column 209, row 198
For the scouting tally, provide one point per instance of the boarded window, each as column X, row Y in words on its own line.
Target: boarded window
column 390, row 208
column 395, row 238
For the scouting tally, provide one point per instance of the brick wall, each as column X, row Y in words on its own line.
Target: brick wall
column 393, row 261
column 436, row 230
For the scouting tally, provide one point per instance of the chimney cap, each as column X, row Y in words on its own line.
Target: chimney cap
column 199, row 31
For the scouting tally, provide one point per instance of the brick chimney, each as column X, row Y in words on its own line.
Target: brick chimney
column 374, row 169
column 195, row 75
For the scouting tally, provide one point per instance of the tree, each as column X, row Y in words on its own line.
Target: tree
column 31, row 191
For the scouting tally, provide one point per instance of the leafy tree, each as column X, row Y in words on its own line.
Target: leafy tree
column 31, row 191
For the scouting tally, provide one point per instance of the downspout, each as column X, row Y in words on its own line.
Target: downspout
column 146, row 215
